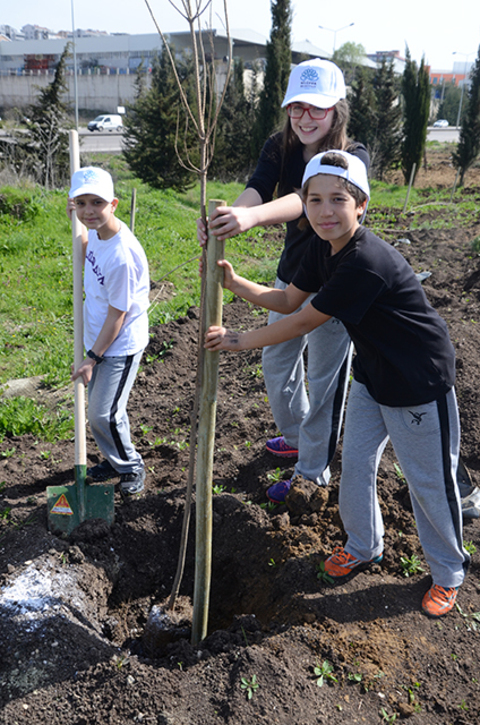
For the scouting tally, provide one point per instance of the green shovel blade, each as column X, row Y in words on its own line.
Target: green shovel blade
column 69, row 506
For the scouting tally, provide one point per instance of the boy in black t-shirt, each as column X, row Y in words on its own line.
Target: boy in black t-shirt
column 404, row 373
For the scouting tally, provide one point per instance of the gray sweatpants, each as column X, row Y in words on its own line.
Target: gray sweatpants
column 310, row 422
column 108, row 393
column 426, row 440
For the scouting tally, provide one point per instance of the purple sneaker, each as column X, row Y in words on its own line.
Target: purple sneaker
column 278, row 447
column 278, row 491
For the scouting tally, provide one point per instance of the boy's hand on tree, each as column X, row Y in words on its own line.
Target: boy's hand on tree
column 70, row 208
column 219, row 338
column 229, row 275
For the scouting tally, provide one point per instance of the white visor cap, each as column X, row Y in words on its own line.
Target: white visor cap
column 356, row 172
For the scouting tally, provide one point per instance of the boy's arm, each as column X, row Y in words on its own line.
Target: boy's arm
column 109, row 332
column 219, row 338
column 284, row 301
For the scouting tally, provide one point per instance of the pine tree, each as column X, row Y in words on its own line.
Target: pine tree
column 416, row 110
column 277, row 71
column 361, row 98
column 234, row 157
column 469, row 144
column 43, row 152
column 154, row 126
column 386, row 147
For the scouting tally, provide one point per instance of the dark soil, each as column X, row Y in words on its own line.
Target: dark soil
column 79, row 615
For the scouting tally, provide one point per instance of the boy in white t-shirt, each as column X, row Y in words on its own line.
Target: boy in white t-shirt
column 117, row 288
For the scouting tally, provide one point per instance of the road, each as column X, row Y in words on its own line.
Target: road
column 109, row 142
column 443, row 135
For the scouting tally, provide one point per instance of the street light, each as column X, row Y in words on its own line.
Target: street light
column 335, row 31
column 467, row 55
column 75, row 87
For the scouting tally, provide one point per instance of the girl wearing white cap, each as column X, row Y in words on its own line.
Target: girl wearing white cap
column 317, row 121
column 404, row 372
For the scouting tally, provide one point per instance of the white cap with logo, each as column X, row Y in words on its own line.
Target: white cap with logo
column 92, row 180
column 317, row 82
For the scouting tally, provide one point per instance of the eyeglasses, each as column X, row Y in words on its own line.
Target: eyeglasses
column 296, row 111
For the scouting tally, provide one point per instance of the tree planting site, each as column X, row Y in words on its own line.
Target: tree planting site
column 85, row 634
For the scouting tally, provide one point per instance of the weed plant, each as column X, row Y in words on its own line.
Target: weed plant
column 411, row 565
column 323, row 672
column 249, row 685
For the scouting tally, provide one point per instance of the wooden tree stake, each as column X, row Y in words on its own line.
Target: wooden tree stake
column 206, row 441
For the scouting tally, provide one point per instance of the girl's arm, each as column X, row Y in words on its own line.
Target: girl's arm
column 228, row 221
column 249, row 211
column 109, row 332
column 232, row 219
column 303, row 322
column 284, row 301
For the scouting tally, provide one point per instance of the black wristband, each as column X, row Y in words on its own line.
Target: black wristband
column 95, row 357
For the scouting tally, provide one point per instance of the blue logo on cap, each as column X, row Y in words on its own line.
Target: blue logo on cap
column 91, row 176
column 309, row 77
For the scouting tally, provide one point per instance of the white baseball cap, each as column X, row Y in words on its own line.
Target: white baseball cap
column 356, row 172
column 317, row 82
column 92, row 180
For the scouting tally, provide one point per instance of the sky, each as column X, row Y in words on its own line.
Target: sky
column 429, row 29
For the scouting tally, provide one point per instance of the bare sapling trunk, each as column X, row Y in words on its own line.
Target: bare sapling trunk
column 203, row 117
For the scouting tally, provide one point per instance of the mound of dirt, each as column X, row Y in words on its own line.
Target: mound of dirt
column 82, row 617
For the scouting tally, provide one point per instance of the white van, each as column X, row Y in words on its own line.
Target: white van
column 110, row 122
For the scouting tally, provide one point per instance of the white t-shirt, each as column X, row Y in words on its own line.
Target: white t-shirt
column 116, row 274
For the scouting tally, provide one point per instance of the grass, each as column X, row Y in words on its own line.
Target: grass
column 22, row 415
column 387, row 202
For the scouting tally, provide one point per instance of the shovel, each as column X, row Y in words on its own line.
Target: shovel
column 470, row 494
column 69, row 506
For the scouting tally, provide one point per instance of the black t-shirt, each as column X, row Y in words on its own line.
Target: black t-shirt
column 404, row 353
column 269, row 173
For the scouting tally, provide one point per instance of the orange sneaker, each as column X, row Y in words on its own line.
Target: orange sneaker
column 341, row 564
column 439, row 601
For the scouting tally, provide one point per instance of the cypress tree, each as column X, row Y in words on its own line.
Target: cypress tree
column 277, row 71
column 469, row 143
column 386, row 145
column 416, row 110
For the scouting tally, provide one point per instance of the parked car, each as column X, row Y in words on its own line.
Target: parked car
column 110, row 122
column 441, row 123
